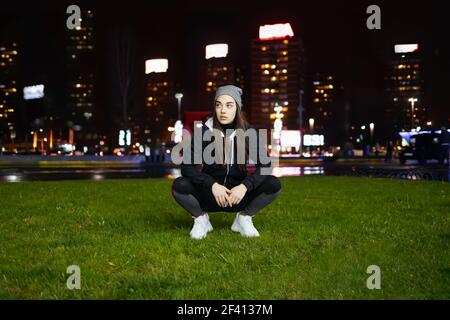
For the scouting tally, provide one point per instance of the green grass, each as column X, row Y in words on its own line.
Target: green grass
column 131, row 241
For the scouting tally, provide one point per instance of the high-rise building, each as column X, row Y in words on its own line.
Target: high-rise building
column 277, row 78
column 161, row 109
column 9, row 95
column 323, row 99
column 406, row 106
column 217, row 70
column 81, row 68
column 326, row 110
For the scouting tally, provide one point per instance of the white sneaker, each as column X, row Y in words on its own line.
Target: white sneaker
column 244, row 225
column 201, row 227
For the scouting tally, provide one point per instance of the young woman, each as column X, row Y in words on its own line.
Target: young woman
column 225, row 186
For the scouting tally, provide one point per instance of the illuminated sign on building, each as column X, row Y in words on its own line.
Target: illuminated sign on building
column 406, row 48
column 313, row 140
column 33, row 92
column 156, row 65
column 275, row 31
column 290, row 138
column 218, row 50
column 124, row 137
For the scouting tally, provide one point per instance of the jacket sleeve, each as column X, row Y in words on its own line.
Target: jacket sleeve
column 194, row 171
column 254, row 180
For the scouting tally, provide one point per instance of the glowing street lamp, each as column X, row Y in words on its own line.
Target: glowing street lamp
column 311, row 124
column 178, row 131
column 179, row 96
column 178, row 128
column 412, row 100
column 371, row 127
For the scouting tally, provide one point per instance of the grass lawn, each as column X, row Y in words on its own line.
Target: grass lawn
column 131, row 241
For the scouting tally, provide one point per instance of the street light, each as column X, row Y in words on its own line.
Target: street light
column 371, row 126
column 178, row 131
column 412, row 100
column 12, row 136
column 311, row 124
column 179, row 96
column 178, row 123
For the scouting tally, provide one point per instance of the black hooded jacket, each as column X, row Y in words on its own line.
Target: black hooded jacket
column 227, row 174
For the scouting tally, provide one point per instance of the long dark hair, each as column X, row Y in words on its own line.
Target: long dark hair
column 240, row 122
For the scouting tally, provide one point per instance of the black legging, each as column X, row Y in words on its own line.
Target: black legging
column 197, row 200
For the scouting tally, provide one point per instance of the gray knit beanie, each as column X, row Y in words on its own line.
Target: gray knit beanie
column 231, row 91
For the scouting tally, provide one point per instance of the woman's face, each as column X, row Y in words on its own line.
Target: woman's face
column 225, row 109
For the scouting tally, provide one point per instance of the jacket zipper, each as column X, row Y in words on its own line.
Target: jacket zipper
column 225, row 180
column 228, row 168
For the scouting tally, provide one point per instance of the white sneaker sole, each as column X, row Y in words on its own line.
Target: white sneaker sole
column 209, row 228
column 236, row 227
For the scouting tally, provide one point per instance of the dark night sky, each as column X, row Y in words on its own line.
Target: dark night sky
column 334, row 34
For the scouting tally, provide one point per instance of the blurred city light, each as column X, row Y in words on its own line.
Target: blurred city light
column 290, row 138
column 178, row 131
column 124, row 137
column 313, row 140
column 33, row 92
column 406, row 48
column 275, row 31
column 311, row 124
column 156, row 65
column 219, row 50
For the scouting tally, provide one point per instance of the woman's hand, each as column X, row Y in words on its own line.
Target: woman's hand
column 237, row 194
column 220, row 194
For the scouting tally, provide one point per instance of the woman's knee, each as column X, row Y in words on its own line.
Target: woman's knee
column 182, row 185
column 272, row 184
